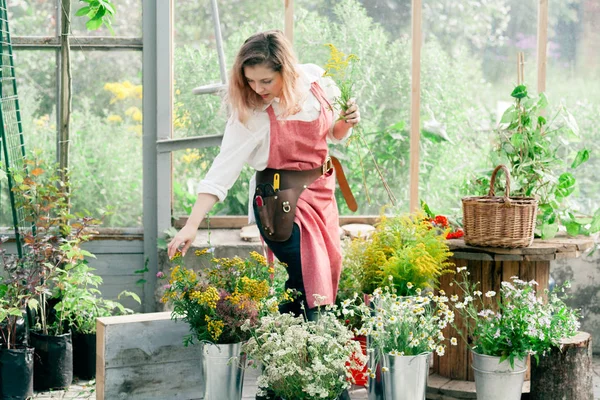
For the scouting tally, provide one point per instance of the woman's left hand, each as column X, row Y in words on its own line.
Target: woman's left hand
column 352, row 114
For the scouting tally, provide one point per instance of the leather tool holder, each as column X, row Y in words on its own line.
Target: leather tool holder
column 278, row 212
column 278, row 208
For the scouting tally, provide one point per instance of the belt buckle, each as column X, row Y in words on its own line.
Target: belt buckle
column 327, row 165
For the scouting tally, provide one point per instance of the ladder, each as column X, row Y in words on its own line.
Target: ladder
column 216, row 87
column 12, row 144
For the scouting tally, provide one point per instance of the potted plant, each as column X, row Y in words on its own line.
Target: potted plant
column 17, row 292
column 502, row 329
column 216, row 302
column 302, row 359
column 348, row 287
column 403, row 332
column 541, row 162
column 51, row 246
column 80, row 304
column 405, row 247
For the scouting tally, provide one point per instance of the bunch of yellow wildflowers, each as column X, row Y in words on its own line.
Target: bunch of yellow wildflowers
column 337, row 67
column 404, row 247
column 223, row 296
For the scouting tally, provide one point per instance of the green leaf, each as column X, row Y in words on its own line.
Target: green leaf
column 542, row 101
column 397, row 127
column 571, row 123
column 573, row 228
column 427, row 210
column 549, row 230
column 541, row 121
column 82, row 11
column 93, row 24
column 33, row 304
column 516, row 140
column 595, row 227
column 581, row 157
column 161, row 243
column 15, row 312
column 519, row 92
column 509, row 115
column 566, row 180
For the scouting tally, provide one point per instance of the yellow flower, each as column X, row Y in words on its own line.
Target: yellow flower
column 259, row 258
column 114, row 118
column 208, row 297
column 215, row 328
column 338, row 62
column 190, row 156
column 123, row 90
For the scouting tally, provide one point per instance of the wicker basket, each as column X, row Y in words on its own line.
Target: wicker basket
column 495, row 221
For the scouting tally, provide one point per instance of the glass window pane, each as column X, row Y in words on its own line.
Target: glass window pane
column 573, row 80
column 106, row 135
column 32, row 17
column 36, row 87
column 468, row 71
column 127, row 21
column 381, row 78
column 196, row 64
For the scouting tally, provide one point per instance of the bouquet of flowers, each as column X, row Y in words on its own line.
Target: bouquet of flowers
column 303, row 360
column 217, row 301
column 336, row 68
column 403, row 326
column 404, row 247
column 515, row 323
column 442, row 224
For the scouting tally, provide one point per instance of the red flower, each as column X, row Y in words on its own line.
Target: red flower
column 441, row 220
column 455, row 235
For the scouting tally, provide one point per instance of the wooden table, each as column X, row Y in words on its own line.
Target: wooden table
column 490, row 266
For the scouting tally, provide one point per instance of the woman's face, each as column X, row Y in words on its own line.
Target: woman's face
column 264, row 81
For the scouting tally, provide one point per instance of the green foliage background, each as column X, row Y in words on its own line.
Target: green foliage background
column 466, row 68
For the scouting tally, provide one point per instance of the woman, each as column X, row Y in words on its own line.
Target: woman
column 281, row 118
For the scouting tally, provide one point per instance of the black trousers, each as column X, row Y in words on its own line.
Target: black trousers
column 288, row 252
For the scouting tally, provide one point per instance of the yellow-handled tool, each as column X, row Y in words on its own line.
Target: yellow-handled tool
column 276, row 181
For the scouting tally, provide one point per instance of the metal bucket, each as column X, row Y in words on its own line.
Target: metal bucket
column 406, row 378
column 375, row 389
column 495, row 380
column 223, row 371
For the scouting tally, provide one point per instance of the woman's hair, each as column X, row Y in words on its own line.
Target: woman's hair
column 273, row 50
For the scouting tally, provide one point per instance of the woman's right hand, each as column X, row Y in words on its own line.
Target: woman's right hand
column 182, row 241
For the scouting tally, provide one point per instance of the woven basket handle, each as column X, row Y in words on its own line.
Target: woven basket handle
column 492, row 193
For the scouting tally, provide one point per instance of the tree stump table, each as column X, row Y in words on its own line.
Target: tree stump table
column 452, row 376
column 565, row 372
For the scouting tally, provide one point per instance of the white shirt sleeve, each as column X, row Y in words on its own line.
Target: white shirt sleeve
column 237, row 146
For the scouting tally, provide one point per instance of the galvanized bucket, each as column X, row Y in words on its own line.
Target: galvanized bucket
column 223, row 371
column 406, row 377
column 495, row 380
column 375, row 388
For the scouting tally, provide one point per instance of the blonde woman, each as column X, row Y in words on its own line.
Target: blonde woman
column 281, row 119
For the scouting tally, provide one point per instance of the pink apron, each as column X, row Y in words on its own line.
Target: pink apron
column 302, row 145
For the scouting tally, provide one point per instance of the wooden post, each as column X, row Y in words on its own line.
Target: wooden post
column 289, row 20
column 520, row 68
column 542, row 42
column 564, row 373
column 65, row 98
column 415, row 104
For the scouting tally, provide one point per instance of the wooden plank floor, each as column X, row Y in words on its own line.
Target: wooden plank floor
column 86, row 390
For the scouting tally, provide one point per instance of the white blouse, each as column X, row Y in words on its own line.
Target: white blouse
column 250, row 143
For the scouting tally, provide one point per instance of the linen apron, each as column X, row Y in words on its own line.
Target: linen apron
column 302, row 145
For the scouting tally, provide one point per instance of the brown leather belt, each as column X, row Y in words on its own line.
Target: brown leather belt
column 302, row 179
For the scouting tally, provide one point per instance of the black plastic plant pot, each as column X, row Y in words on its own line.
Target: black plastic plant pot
column 16, row 373
column 53, row 361
column 84, row 355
